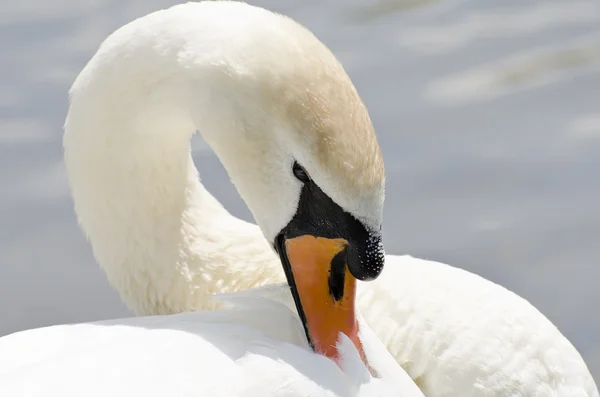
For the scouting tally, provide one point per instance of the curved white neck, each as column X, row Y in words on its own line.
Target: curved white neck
column 163, row 240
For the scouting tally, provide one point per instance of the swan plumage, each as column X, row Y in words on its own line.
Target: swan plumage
column 256, row 84
column 456, row 333
column 253, row 346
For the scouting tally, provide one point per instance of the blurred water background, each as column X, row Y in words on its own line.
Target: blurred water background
column 488, row 113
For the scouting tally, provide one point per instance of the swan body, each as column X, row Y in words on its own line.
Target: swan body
column 253, row 346
column 259, row 88
column 456, row 333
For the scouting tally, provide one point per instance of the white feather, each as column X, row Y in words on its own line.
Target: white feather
column 254, row 346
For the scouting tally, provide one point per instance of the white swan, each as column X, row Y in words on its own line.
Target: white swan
column 255, row 346
column 264, row 92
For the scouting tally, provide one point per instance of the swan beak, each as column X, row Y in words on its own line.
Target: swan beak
column 323, row 288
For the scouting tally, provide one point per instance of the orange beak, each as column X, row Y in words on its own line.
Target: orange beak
column 324, row 290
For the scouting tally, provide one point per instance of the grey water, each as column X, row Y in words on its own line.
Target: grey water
column 488, row 113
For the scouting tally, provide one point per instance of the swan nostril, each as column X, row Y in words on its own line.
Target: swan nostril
column 337, row 275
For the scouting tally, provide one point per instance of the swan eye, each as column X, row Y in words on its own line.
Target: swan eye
column 300, row 173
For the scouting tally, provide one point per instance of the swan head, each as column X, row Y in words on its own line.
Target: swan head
column 307, row 164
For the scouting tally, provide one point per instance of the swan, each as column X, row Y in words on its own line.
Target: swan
column 286, row 122
column 310, row 342
column 253, row 346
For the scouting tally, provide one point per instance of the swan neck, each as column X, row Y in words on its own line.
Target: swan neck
column 164, row 241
